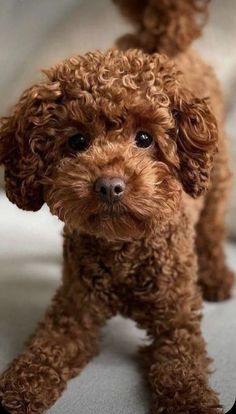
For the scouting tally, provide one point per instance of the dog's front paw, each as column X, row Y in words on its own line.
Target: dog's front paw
column 9, row 401
column 195, row 398
column 217, row 287
column 183, row 408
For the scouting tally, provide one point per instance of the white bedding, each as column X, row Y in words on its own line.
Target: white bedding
column 30, row 267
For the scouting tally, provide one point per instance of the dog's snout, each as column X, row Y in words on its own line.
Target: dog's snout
column 109, row 189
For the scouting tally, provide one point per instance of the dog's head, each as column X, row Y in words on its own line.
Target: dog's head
column 109, row 141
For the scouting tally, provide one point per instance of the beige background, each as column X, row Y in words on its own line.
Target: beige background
column 35, row 34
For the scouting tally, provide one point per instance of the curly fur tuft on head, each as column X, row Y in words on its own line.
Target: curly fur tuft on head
column 164, row 26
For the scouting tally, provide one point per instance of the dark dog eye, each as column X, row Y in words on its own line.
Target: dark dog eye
column 78, row 142
column 143, row 139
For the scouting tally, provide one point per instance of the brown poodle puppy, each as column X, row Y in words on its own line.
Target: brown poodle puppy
column 120, row 145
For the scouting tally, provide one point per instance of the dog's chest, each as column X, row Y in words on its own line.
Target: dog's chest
column 118, row 272
column 130, row 271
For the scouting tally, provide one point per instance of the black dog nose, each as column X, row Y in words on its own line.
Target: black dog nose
column 109, row 189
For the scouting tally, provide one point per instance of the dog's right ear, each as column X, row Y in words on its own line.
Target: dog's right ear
column 196, row 140
column 22, row 145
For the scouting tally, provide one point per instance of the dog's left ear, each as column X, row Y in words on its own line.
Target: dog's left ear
column 196, row 137
column 24, row 144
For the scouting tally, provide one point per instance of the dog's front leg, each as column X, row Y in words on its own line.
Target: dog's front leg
column 176, row 362
column 63, row 343
column 177, row 376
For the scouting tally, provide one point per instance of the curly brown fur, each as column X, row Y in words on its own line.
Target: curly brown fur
column 164, row 26
column 136, row 257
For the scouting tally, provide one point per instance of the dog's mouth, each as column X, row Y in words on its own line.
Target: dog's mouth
column 116, row 223
column 109, row 214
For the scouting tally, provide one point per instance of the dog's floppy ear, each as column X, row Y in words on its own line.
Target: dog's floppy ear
column 22, row 145
column 196, row 137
